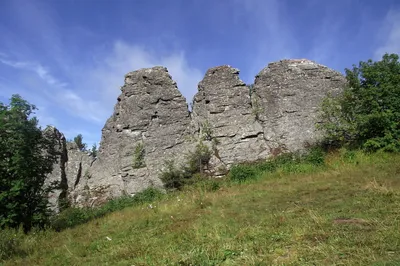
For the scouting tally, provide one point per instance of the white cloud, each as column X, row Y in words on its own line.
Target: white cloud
column 108, row 76
column 41, row 71
column 389, row 35
column 92, row 93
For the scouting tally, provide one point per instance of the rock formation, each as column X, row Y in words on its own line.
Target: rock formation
column 70, row 171
column 151, row 123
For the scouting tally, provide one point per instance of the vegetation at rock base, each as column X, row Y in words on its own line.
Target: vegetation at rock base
column 342, row 212
column 335, row 206
column 177, row 176
column 26, row 157
column 367, row 113
column 72, row 217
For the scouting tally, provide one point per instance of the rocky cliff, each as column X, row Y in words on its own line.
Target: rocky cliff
column 151, row 122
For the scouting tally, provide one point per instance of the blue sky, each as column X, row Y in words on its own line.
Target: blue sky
column 69, row 58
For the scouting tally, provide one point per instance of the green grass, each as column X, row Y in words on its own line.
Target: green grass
column 343, row 212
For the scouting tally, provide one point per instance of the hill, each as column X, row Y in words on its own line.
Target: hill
column 343, row 212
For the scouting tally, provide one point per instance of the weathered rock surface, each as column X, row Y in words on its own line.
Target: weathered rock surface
column 151, row 123
column 286, row 98
column 152, row 113
column 70, row 170
column 223, row 107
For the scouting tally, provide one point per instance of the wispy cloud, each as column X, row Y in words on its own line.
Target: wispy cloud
column 389, row 34
column 41, row 71
column 108, row 75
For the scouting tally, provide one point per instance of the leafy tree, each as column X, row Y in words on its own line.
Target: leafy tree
column 26, row 157
column 367, row 113
column 94, row 150
column 79, row 141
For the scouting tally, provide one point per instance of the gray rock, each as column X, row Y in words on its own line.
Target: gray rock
column 286, row 98
column 222, row 109
column 152, row 113
column 151, row 123
column 69, row 171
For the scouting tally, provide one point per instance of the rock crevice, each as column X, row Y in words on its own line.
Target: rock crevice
column 241, row 123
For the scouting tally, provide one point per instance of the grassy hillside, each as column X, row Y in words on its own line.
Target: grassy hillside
column 346, row 212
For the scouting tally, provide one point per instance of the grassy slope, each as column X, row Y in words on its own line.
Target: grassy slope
column 346, row 214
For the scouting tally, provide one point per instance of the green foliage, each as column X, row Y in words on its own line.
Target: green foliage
column 367, row 113
column 287, row 162
column 72, row 217
column 206, row 131
column 138, row 156
column 79, row 142
column 242, row 172
column 26, row 158
column 195, row 162
column 315, row 156
column 172, row 177
column 94, row 150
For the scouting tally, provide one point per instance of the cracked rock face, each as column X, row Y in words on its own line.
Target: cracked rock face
column 223, row 105
column 69, row 169
column 151, row 123
column 152, row 114
column 287, row 95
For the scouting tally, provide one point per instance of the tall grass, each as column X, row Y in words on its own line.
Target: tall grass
column 344, row 211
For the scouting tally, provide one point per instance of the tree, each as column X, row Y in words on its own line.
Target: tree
column 367, row 113
column 94, row 150
column 26, row 157
column 79, row 141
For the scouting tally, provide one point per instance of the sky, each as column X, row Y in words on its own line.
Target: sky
column 69, row 57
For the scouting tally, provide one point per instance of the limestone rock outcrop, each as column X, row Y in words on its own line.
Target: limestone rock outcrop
column 151, row 123
column 223, row 104
column 70, row 170
column 151, row 118
column 286, row 97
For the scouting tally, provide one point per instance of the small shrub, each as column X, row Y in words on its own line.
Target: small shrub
column 241, row 173
column 70, row 217
column 138, row 156
column 79, row 142
column 206, row 131
column 197, row 160
column 195, row 163
column 315, row 156
column 94, row 150
column 171, row 176
column 148, row 195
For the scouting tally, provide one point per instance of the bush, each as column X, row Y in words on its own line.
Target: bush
column 171, row 176
column 197, row 160
column 367, row 114
column 79, row 142
column 195, row 163
column 138, row 156
column 315, row 156
column 242, row 172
